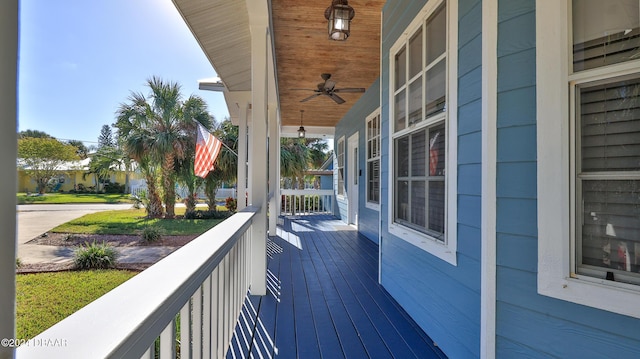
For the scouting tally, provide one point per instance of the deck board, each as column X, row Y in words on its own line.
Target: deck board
column 324, row 300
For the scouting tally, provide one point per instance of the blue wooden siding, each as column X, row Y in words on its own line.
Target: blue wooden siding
column 353, row 122
column 528, row 324
column 443, row 299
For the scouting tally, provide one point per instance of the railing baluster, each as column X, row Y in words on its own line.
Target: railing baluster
column 185, row 330
column 213, row 336
column 197, row 324
column 206, row 318
column 149, row 353
column 168, row 341
column 221, row 310
column 227, row 304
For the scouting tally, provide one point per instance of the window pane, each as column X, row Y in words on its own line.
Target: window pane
column 437, row 141
column 436, row 34
column 611, row 228
column 401, row 68
column 402, row 200
column 418, row 203
column 415, row 54
column 400, row 122
column 436, row 87
column 418, row 154
column 415, row 101
column 436, row 207
column 609, row 116
column 373, row 174
column 605, row 32
column 402, row 157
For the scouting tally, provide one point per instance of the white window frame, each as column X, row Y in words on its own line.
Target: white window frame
column 340, row 165
column 447, row 250
column 374, row 116
column 556, row 232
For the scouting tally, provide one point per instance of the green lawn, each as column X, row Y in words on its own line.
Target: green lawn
column 44, row 299
column 132, row 221
column 60, row 198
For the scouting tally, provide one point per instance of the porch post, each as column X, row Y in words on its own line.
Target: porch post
column 258, row 157
column 274, row 170
column 8, row 102
column 241, row 183
column 488, row 254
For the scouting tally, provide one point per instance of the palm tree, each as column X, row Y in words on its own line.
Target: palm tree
column 162, row 129
column 294, row 159
column 135, row 141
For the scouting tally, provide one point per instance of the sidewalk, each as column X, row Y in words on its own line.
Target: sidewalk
column 34, row 220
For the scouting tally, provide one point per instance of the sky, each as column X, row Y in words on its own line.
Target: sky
column 79, row 60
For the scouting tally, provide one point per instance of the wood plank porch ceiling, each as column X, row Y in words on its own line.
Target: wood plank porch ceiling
column 302, row 51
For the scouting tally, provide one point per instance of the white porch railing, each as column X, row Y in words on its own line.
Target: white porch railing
column 306, row 201
column 200, row 287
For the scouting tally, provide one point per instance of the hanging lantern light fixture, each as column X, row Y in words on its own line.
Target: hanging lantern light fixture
column 301, row 131
column 339, row 15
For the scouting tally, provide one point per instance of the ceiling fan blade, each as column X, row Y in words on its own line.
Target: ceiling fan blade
column 311, row 97
column 339, row 100
column 350, row 89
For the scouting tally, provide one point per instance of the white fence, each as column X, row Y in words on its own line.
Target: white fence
column 307, row 201
column 202, row 285
column 221, row 193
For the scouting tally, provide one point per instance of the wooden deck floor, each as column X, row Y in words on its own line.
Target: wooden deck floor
column 324, row 300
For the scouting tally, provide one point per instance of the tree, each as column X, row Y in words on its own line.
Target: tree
column 299, row 155
column 42, row 158
column 82, row 150
column 34, row 134
column 104, row 162
column 106, row 137
column 318, row 154
column 161, row 129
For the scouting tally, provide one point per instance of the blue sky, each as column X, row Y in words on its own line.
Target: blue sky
column 79, row 60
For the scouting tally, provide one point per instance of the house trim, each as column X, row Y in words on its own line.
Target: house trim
column 446, row 251
column 370, row 117
column 489, row 158
column 555, row 278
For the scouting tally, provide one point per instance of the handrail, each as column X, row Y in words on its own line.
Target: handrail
column 125, row 322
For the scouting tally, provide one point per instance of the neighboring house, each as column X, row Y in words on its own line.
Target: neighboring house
column 75, row 176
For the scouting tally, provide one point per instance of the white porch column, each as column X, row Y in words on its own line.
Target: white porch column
column 241, row 183
column 258, row 158
column 488, row 282
column 8, row 103
column 274, row 170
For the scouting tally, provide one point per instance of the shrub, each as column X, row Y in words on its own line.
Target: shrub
column 231, row 204
column 95, row 256
column 18, row 263
column 211, row 214
column 151, row 234
column 114, row 187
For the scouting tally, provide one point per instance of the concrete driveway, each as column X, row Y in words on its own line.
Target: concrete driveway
column 35, row 219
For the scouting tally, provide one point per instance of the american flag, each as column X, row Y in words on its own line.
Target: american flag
column 207, row 150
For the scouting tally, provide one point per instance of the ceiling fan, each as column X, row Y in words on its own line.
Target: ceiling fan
column 328, row 88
